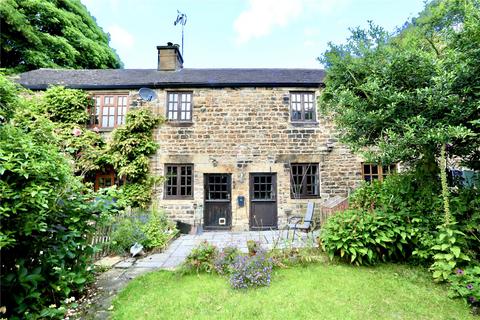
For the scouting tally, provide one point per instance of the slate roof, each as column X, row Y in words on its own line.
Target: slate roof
column 136, row 78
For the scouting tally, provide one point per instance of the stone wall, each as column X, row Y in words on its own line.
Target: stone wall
column 248, row 130
column 244, row 130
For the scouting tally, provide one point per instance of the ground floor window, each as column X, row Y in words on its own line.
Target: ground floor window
column 179, row 181
column 305, row 182
column 375, row 171
column 107, row 177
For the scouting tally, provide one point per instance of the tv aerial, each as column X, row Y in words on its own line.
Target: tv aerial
column 147, row 94
column 181, row 20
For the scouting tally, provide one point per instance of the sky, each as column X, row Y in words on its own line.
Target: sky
column 241, row 33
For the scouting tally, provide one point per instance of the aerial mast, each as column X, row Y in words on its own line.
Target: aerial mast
column 182, row 20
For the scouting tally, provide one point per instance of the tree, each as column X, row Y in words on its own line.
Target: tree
column 52, row 34
column 404, row 96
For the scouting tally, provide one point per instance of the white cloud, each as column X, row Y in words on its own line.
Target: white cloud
column 263, row 15
column 120, row 38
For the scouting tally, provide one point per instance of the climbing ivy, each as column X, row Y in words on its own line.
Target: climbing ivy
column 129, row 151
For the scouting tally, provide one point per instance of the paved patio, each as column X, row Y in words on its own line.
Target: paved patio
column 182, row 246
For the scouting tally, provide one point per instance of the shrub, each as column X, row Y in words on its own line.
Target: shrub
column 152, row 230
column 362, row 237
column 66, row 105
column 201, row 259
column 226, row 259
column 126, row 232
column 46, row 216
column 465, row 283
column 158, row 230
column 448, row 252
column 251, row 271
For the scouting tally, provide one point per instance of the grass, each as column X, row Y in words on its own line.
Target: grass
column 320, row 291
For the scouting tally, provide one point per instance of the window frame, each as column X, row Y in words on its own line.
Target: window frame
column 303, row 194
column 302, row 105
column 178, row 184
column 381, row 174
column 97, row 112
column 178, row 111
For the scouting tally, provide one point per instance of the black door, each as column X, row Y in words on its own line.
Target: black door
column 218, row 205
column 263, row 201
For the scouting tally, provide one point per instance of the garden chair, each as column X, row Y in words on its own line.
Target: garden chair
column 302, row 223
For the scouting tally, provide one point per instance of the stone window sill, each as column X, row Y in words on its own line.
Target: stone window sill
column 305, row 124
column 180, row 123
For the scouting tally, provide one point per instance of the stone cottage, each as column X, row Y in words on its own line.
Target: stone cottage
column 241, row 149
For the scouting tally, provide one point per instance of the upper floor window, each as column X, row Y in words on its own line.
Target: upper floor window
column 302, row 106
column 109, row 110
column 179, row 183
column 305, row 182
column 374, row 171
column 179, row 106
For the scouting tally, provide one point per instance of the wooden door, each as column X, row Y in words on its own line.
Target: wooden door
column 263, row 201
column 218, row 204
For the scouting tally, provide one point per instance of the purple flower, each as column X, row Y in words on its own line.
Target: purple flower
column 460, row 272
column 472, row 299
column 470, row 286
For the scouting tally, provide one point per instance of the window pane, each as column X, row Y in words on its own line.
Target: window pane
column 302, row 106
column 366, row 168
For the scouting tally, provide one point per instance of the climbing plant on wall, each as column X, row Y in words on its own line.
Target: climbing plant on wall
column 128, row 151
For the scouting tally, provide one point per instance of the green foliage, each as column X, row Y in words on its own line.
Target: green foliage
column 402, row 96
column 151, row 229
column 132, row 145
column 8, row 98
column 225, row 260
column 201, row 259
column 52, row 34
column 465, row 203
column 465, row 283
column 367, row 237
column 129, row 152
column 69, row 106
column 448, row 252
column 46, row 216
column 158, row 230
column 126, row 232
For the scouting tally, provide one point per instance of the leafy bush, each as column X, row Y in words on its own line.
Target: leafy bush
column 201, row 259
column 465, row 283
column 448, row 253
column 66, row 105
column 363, row 237
column 126, row 232
column 158, row 230
column 251, row 271
column 225, row 260
column 46, row 216
column 152, row 230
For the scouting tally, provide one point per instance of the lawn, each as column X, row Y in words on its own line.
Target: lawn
column 320, row 291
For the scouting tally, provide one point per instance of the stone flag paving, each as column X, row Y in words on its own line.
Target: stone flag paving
column 179, row 249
